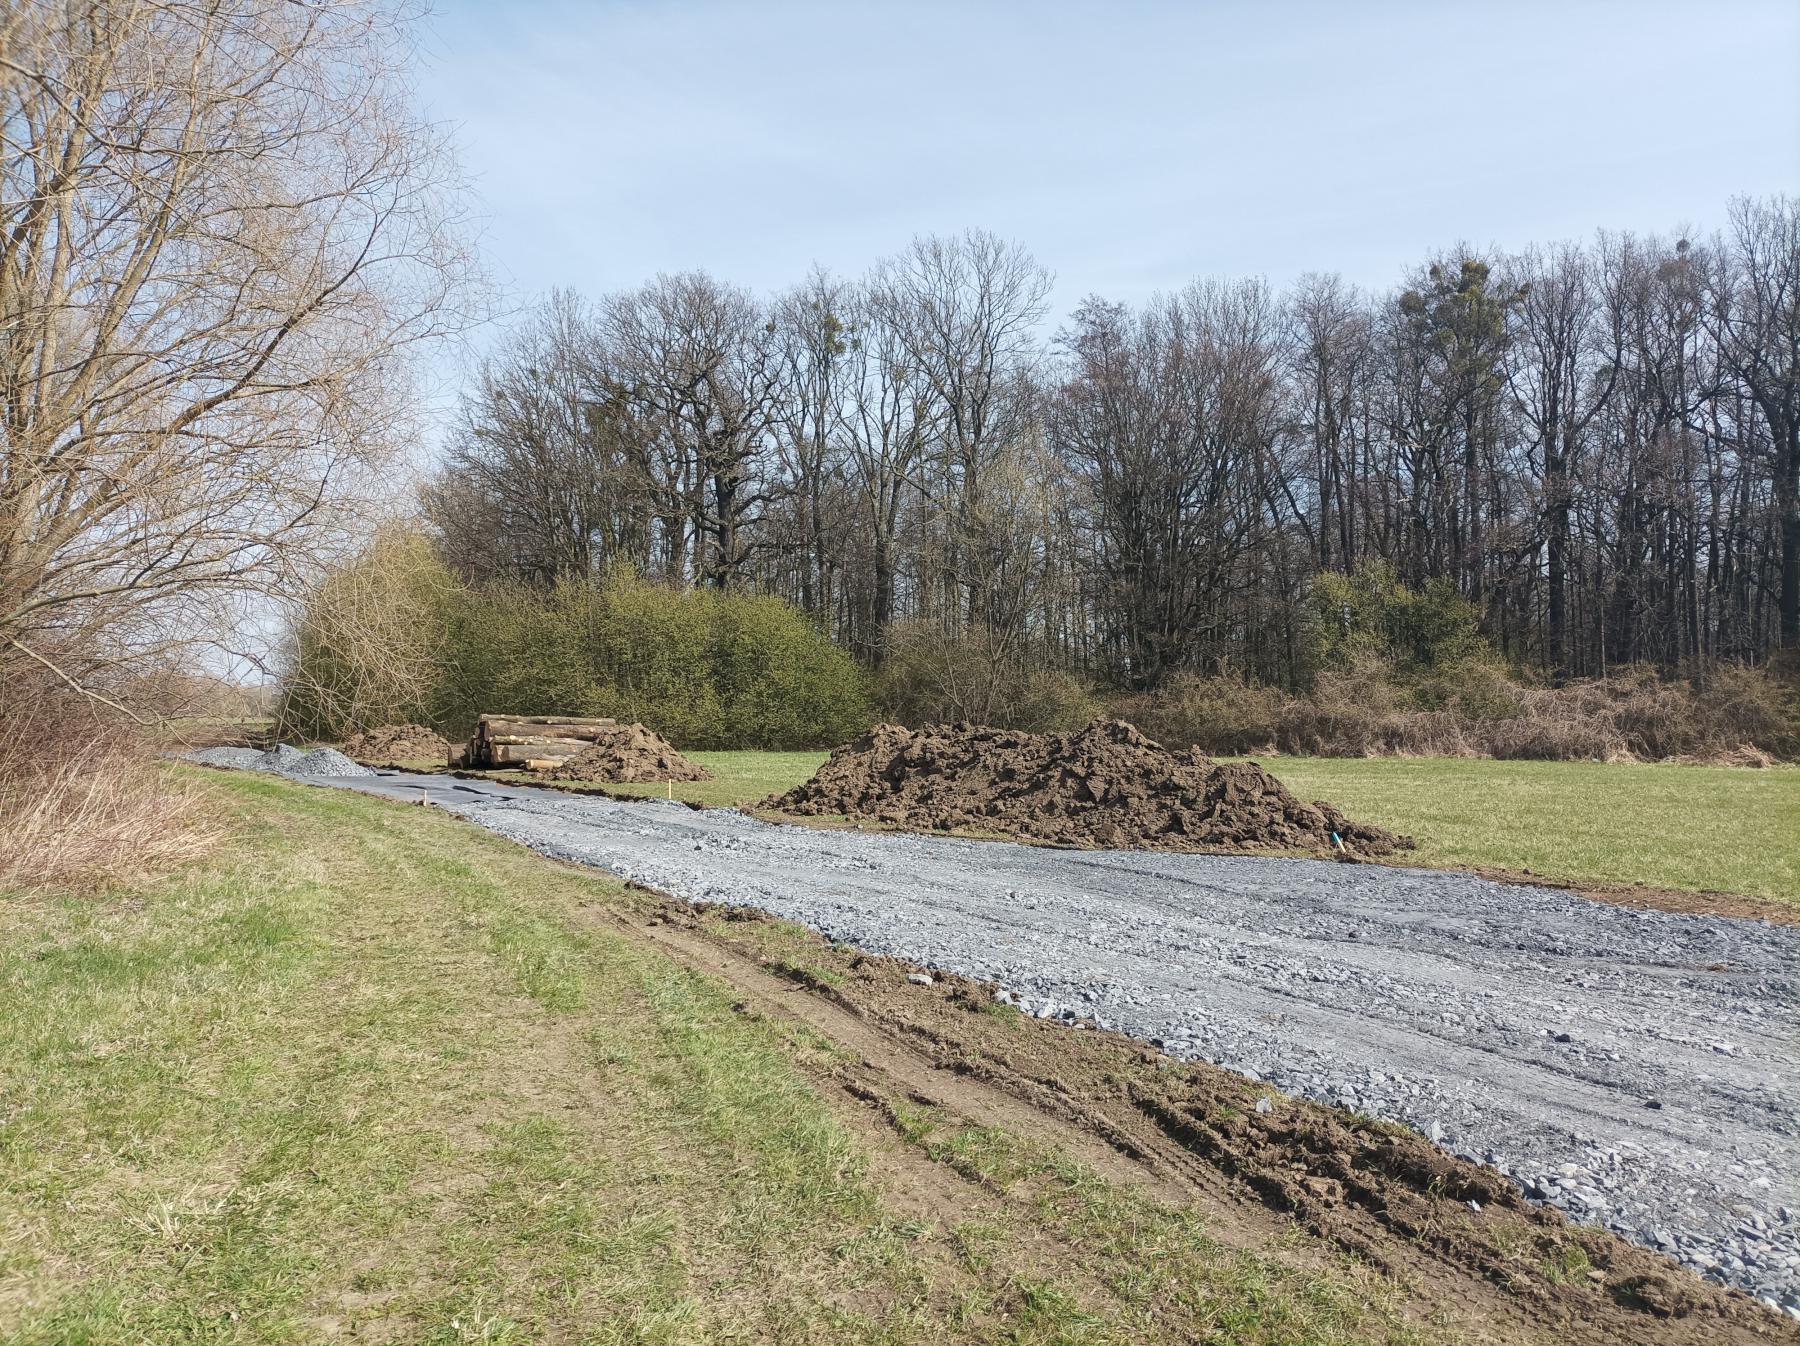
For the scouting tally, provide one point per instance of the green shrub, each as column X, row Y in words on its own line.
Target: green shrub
column 781, row 682
column 651, row 652
column 1370, row 612
column 704, row 669
column 512, row 649
column 392, row 638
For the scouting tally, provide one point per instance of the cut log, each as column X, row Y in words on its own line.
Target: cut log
column 498, row 730
column 549, row 719
column 518, row 754
column 513, row 740
column 596, row 721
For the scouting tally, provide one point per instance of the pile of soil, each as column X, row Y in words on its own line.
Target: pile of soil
column 628, row 752
column 398, row 743
column 1106, row 786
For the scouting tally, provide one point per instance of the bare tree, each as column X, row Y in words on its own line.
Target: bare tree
column 885, row 421
column 544, row 476
column 810, row 322
column 1562, row 370
column 221, row 229
column 1330, row 353
column 966, row 310
column 1755, row 315
column 697, row 361
column 1170, row 418
column 1593, row 442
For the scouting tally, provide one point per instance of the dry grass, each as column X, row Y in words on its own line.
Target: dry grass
column 82, row 799
column 1734, row 717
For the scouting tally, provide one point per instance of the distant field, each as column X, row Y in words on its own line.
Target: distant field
column 739, row 777
column 1691, row 828
column 1688, row 828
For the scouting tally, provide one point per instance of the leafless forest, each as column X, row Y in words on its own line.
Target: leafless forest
column 1597, row 443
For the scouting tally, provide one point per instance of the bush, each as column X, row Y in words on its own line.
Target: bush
column 1370, row 613
column 511, row 649
column 704, row 669
column 366, row 649
column 780, row 681
column 393, row 638
column 84, row 802
column 1219, row 715
column 931, row 676
column 1733, row 715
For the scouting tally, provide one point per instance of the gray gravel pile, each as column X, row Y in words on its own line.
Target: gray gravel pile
column 283, row 758
column 1637, row 1069
column 323, row 762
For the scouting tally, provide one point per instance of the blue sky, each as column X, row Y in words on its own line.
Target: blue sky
column 1131, row 147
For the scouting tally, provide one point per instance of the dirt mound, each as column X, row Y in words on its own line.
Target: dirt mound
column 397, row 743
column 1107, row 785
column 628, row 752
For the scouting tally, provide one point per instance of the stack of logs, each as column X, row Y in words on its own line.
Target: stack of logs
column 534, row 741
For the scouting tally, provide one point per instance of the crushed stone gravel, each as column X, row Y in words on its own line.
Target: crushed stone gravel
column 1637, row 1069
column 283, row 758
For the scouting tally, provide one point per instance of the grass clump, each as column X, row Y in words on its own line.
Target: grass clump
column 81, row 801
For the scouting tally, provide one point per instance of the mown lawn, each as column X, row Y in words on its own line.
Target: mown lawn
column 370, row 1075
column 1691, row 828
column 740, row 777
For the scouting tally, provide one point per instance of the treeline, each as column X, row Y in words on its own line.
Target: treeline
column 1597, row 445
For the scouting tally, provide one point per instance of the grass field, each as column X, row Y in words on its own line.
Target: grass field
column 740, row 777
column 370, row 1075
column 1690, row 828
column 1687, row 828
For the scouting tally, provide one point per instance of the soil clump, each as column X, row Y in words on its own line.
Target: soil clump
column 398, row 743
column 628, row 753
column 1104, row 786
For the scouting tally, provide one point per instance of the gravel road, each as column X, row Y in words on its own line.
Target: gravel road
column 1638, row 1069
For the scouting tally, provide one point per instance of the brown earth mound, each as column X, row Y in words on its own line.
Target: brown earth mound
column 397, row 743
column 628, row 752
column 1107, row 785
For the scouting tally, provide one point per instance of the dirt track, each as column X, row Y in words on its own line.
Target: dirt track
column 1636, row 1069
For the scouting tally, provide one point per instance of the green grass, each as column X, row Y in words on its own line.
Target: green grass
column 739, row 777
column 1689, row 828
column 370, row 1074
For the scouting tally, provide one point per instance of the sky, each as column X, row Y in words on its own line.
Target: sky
column 1130, row 147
